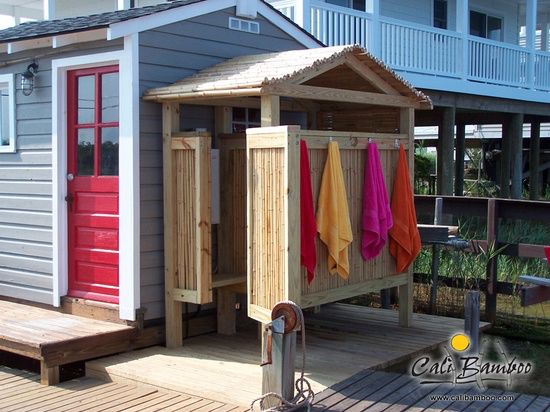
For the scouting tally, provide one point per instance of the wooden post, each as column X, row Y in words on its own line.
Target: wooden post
column 534, row 161
column 406, row 302
column 174, row 326
column 436, row 255
column 226, row 297
column 491, row 292
column 471, row 319
column 278, row 376
column 516, row 155
column 504, row 181
column 405, row 292
column 226, row 313
column 270, row 110
column 460, row 146
column 49, row 375
column 445, row 152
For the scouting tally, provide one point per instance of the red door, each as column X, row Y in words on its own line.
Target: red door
column 92, row 183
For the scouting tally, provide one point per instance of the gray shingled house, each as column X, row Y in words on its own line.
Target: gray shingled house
column 81, row 210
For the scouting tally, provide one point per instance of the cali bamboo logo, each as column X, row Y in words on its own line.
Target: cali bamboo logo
column 458, row 366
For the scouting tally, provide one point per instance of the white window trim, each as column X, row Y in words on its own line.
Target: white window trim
column 9, row 79
column 129, row 200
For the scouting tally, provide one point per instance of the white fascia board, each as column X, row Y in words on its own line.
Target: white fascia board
column 162, row 18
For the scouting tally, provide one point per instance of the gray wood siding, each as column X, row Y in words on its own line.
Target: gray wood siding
column 167, row 54
column 26, row 180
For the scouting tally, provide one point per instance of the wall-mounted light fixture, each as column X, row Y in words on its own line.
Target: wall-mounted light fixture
column 27, row 79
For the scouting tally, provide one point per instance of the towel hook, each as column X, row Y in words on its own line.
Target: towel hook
column 354, row 141
column 330, row 138
column 397, row 143
column 370, row 140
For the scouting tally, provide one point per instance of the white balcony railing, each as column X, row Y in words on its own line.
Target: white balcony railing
column 542, row 71
column 335, row 25
column 498, row 63
column 415, row 48
column 419, row 48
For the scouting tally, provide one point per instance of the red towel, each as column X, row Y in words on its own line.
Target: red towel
column 376, row 217
column 404, row 236
column 308, row 227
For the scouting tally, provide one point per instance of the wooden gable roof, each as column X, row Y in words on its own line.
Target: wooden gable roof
column 341, row 73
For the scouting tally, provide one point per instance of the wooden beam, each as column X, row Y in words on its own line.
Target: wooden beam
column 270, row 111
column 460, row 146
column 79, row 37
column 173, row 93
column 505, row 159
column 174, row 326
column 340, row 95
column 17, row 46
column 406, row 299
column 531, row 295
column 485, row 103
column 369, row 75
column 516, row 156
column 534, row 161
column 491, row 274
column 445, row 152
column 49, row 375
column 226, row 312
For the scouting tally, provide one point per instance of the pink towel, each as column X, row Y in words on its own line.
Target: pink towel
column 376, row 217
column 308, row 227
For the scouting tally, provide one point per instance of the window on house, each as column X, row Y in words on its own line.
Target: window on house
column 440, row 14
column 7, row 114
column 352, row 4
column 483, row 25
column 245, row 118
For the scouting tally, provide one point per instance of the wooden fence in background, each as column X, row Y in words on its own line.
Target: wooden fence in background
column 493, row 210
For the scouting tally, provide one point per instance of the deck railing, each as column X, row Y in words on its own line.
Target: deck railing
column 421, row 49
column 496, row 62
column 335, row 25
column 542, row 71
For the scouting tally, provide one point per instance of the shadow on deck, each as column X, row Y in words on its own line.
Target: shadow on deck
column 342, row 340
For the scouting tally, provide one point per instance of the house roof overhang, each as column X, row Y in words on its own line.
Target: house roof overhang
column 117, row 24
column 313, row 74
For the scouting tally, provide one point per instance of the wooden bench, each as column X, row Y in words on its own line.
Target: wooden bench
column 227, row 287
column 56, row 339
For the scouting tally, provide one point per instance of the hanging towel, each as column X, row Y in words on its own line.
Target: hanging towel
column 308, row 228
column 376, row 217
column 333, row 220
column 404, row 236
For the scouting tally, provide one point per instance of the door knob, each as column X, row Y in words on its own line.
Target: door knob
column 70, row 177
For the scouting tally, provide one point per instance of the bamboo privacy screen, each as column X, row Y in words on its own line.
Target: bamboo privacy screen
column 187, row 217
column 274, row 271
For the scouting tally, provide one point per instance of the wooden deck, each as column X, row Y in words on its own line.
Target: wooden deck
column 21, row 392
column 391, row 392
column 341, row 341
column 56, row 338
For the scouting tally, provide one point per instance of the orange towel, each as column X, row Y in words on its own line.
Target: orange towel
column 333, row 222
column 404, row 236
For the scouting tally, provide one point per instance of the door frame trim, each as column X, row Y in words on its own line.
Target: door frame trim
column 129, row 199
